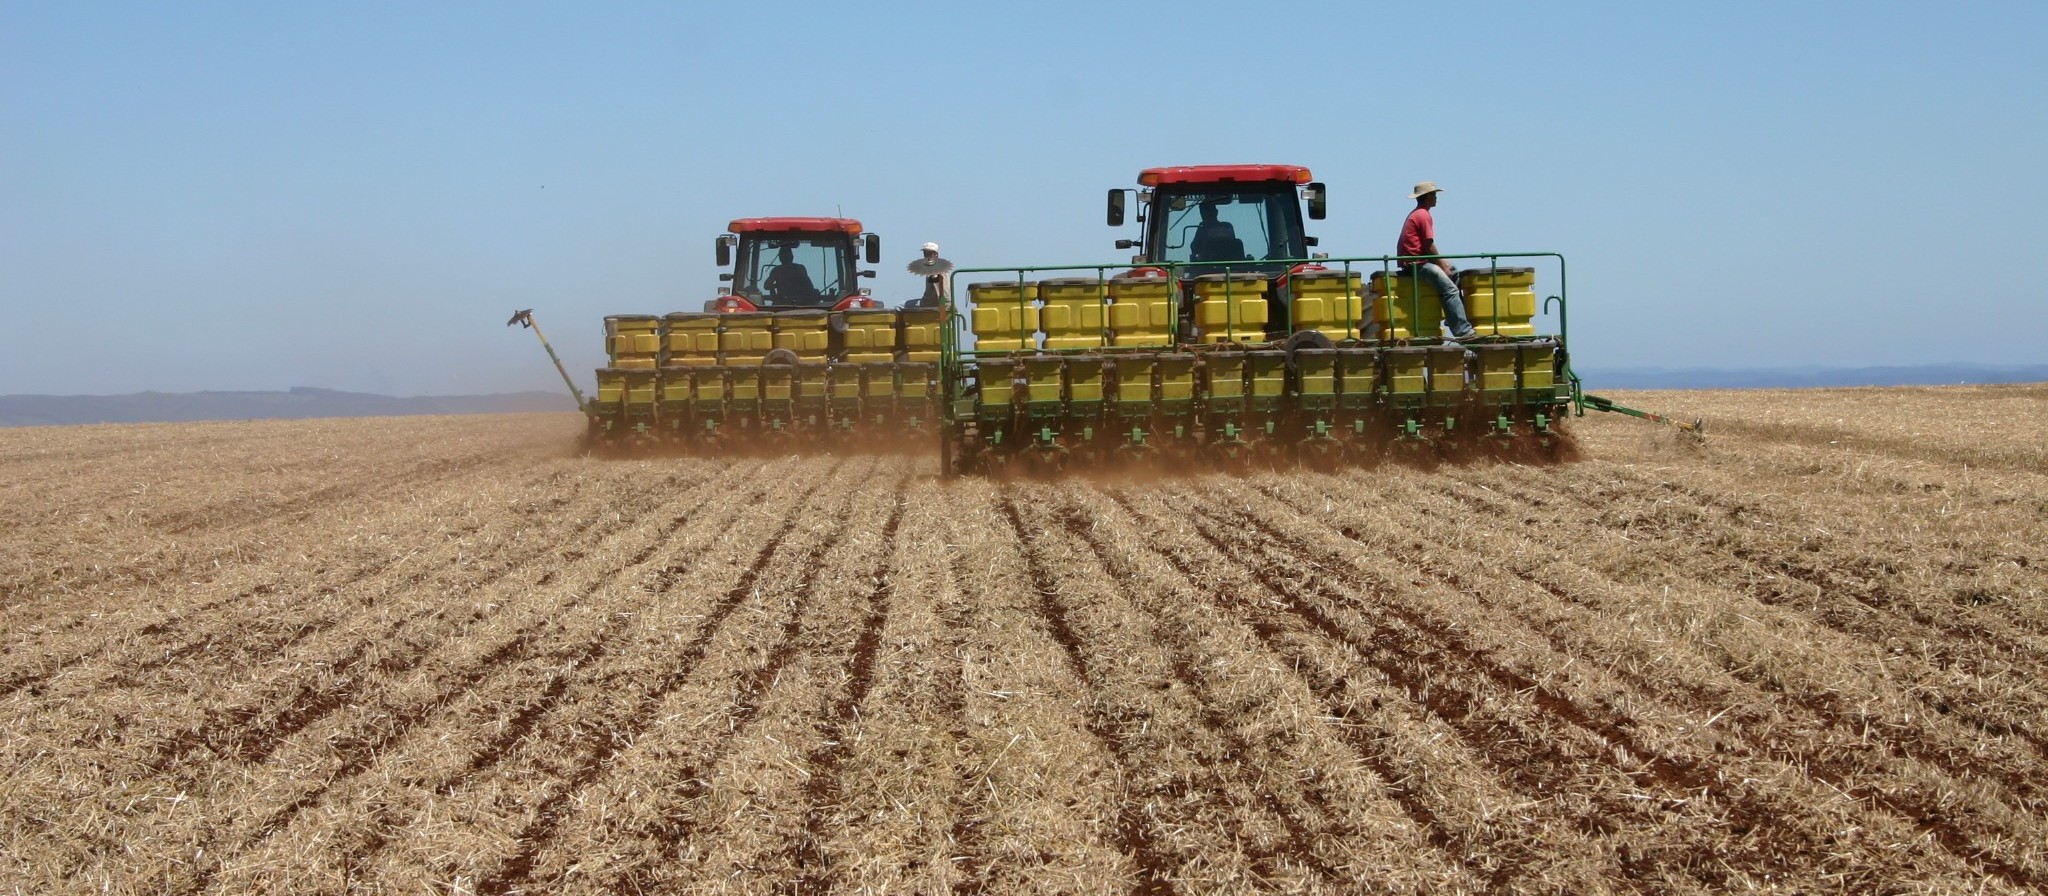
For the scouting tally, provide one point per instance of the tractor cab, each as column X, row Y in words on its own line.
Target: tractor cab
column 1240, row 219
column 793, row 263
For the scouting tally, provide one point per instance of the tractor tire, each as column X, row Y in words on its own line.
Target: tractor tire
column 1302, row 340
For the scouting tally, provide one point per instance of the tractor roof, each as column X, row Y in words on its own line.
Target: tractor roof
column 1215, row 174
column 770, row 225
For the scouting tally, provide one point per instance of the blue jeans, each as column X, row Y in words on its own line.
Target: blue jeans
column 1453, row 300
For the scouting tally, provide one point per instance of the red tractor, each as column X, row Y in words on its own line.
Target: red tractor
column 1243, row 220
column 794, row 263
column 1233, row 338
column 792, row 353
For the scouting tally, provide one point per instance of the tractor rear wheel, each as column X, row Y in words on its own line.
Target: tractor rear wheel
column 1302, row 340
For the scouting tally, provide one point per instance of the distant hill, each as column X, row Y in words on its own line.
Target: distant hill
column 299, row 403
column 1808, row 377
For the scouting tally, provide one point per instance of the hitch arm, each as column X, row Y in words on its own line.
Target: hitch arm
column 524, row 318
column 1697, row 426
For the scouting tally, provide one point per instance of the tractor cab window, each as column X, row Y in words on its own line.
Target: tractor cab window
column 1218, row 224
column 793, row 268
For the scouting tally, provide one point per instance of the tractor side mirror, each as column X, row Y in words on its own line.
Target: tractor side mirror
column 1116, row 208
column 725, row 252
column 1318, row 202
column 874, row 249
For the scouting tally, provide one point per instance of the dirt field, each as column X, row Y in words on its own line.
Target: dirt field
column 425, row 655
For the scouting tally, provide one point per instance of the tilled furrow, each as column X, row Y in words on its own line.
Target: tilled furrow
column 1036, row 798
column 887, row 752
column 385, row 705
column 231, row 517
column 1232, row 771
column 1507, row 857
column 1809, row 437
column 327, row 656
column 246, row 618
column 695, row 774
column 165, row 558
column 307, row 687
column 592, row 757
column 1955, row 667
column 249, row 731
column 112, row 508
column 557, row 645
column 1980, row 641
column 357, row 751
column 821, row 791
column 1927, row 738
column 1156, row 868
column 1934, row 814
column 963, row 837
column 758, row 710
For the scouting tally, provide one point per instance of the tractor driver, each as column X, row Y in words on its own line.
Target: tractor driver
column 1215, row 240
column 789, row 280
column 1418, row 237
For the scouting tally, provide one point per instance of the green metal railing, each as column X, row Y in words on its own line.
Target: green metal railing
column 955, row 357
column 1389, row 264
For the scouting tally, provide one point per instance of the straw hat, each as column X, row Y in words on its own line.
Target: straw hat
column 1424, row 188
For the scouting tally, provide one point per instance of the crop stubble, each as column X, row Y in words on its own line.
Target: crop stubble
column 447, row 654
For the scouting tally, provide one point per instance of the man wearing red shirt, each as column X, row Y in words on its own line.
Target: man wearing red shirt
column 1418, row 237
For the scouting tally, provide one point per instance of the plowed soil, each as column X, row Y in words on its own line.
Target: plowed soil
column 448, row 655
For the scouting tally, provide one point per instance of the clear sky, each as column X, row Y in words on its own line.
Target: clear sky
column 356, row 195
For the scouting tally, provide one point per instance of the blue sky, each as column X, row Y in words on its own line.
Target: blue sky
column 355, row 196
